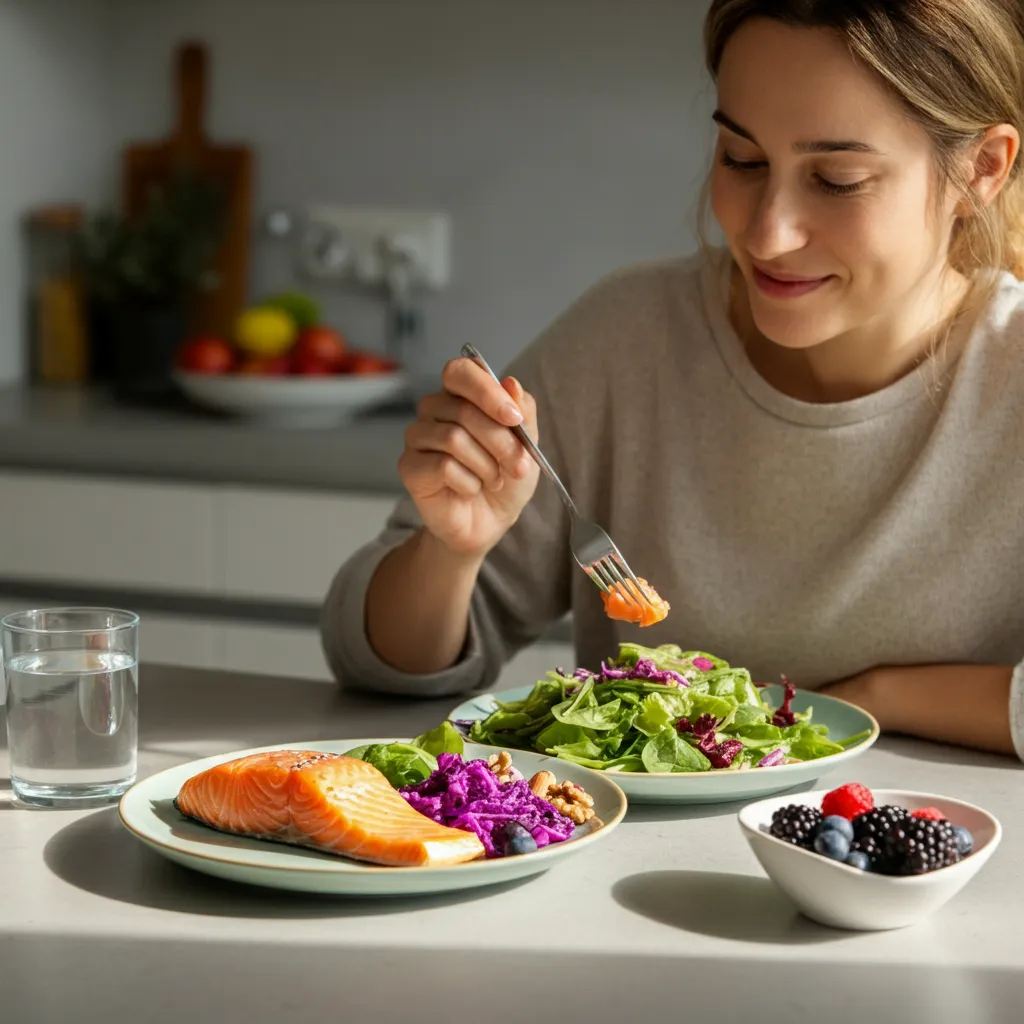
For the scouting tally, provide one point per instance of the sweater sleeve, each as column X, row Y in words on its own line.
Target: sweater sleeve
column 522, row 589
column 1017, row 709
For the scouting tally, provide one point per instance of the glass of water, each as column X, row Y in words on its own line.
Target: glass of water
column 72, row 704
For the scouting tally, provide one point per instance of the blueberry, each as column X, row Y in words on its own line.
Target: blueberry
column 518, row 839
column 964, row 840
column 839, row 824
column 832, row 843
column 858, row 859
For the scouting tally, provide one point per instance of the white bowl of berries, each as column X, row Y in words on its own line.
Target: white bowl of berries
column 869, row 861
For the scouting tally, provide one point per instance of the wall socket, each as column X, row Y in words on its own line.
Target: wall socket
column 339, row 242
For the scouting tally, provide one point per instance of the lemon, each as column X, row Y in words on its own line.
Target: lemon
column 264, row 331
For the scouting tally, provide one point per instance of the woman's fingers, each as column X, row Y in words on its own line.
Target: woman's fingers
column 466, row 378
column 428, row 473
column 451, row 438
column 497, row 440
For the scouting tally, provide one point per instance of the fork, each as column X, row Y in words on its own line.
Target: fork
column 593, row 549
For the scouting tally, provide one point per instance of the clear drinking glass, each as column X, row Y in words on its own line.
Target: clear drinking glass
column 72, row 704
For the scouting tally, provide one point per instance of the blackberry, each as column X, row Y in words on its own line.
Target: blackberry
column 918, row 845
column 796, row 824
column 871, row 828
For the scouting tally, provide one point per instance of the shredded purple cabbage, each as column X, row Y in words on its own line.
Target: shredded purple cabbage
column 704, row 664
column 785, row 715
column 721, row 755
column 467, row 795
column 774, row 758
column 643, row 669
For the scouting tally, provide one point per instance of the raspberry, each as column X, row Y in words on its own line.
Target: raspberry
column 928, row 813
column 848, row 801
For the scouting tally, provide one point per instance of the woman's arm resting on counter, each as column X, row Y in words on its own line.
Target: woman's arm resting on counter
column 966, row 705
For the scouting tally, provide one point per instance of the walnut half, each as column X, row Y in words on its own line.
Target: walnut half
column 501, row 766
column 566, row 797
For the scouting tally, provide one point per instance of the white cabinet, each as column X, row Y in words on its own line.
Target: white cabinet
column 212, row 541
column 272, row 650
column 178, row 640
column 286, row 546
column 91, row 531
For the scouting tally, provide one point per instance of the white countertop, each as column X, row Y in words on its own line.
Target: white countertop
column 671, row 916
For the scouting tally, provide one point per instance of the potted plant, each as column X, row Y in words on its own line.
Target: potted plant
column 141, row 274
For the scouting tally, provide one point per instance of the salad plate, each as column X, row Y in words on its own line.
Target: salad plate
column 644, row 695
column 147, row 810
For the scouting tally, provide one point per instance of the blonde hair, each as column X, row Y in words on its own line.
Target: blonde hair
column 957, row 67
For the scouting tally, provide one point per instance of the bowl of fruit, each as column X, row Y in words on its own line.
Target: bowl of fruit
column 283, row 365
column 868, row 861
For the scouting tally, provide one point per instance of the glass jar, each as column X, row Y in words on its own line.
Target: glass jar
column 58, row 349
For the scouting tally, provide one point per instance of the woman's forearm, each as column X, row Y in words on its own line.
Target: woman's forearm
column 967, row 705
column 417, row 605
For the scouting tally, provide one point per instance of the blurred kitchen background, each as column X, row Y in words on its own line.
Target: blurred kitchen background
column 390, row 177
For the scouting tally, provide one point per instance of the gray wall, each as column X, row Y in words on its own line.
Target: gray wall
column 55, row 134
column 565, row 137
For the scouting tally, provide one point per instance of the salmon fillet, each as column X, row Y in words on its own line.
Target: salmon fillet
column 618, row 604
column 329, row 802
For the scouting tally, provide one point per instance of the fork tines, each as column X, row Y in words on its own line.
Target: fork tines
column 612, row 573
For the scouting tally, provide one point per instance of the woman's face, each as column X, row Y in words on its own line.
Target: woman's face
column 824, row 188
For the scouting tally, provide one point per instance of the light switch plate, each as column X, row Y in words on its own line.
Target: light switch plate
column 347, row 242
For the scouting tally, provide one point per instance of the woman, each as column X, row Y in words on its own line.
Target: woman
column 809, row 442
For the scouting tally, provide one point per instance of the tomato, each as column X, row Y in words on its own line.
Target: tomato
column 264, row 366
column 322, row 343
column 205, row 355
column 368, row 363
column 307, row 364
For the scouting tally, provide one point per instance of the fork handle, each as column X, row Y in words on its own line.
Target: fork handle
column 472, row 352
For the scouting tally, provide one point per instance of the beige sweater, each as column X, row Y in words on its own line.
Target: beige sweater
column 817, row 540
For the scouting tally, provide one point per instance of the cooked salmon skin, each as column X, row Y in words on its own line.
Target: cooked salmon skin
column 329, row 802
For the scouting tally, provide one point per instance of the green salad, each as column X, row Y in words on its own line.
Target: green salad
column 658, row 710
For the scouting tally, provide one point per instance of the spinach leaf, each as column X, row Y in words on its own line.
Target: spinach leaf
column 445, row 739
column 669, row 752
column 588, row 716
column 402, row 764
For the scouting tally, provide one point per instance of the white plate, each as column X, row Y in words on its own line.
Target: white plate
column 840, row 896
column 147, row 812
column 293, row 400
column 842, row 719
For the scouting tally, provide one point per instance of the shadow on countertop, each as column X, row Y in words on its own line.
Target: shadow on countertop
column 98, row 855
column 720, row 905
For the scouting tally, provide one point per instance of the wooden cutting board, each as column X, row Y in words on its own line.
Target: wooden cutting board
column 231, row 167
